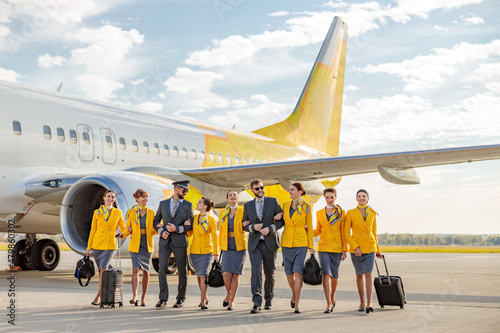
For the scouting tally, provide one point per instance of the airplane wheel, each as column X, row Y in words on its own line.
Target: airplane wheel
column 21, row 257
column 172, row 267
column 45, row 255
column 190, row 265
column 156, row 264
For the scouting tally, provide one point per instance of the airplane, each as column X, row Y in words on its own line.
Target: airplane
column 61, row 152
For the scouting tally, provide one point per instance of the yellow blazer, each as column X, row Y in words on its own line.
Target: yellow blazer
column 364, row 233
column 204, row 241
column 135, row 238
column 102, row 233
column 295, row 233
column 240, row 236
column 332, row 237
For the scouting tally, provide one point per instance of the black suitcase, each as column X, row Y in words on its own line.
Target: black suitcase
column 112, row 285
column 389, row 289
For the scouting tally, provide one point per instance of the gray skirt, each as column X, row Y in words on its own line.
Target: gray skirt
column 330, row 262
column 363, row 264
column 294, row 258
column 141, row 260
column 201, row 262
column 233, row 261
column 103, row 257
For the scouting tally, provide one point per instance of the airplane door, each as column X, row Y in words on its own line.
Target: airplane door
column 108, row 146
column 85, row 143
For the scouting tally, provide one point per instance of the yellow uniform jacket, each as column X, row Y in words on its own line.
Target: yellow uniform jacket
column 102, row 232
column 332, row 237
column 295, row 233
column 135, row 238
column 364, row 233
column 240, row 236
column 204, row 241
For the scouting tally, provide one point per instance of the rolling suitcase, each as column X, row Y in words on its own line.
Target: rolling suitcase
column 389, row 289
column 112, row 284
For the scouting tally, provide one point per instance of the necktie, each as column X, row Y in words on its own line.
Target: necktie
column 176, row 202
column 260, row 209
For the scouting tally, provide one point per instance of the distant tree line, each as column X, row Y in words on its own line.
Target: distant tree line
column 426, row 239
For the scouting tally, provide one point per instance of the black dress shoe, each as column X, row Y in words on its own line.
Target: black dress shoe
column 179, row 304
column 268, row 305
column 255, row 309
column 224, row 303
column 204, row 307
column 369, row 309
column 95, row 303
column 161, row 304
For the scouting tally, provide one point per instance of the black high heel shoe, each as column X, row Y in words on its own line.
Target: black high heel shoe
column 292, row 304
column 136, row 302
column 369, row 309
column 224, row 303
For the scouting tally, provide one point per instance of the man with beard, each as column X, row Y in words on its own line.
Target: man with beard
column 262, row 218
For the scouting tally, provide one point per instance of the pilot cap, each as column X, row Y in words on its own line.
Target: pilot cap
column 182, row 183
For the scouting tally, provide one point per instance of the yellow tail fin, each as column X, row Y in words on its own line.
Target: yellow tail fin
column 315, row 121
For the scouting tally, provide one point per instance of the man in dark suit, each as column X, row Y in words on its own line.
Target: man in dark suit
column 262, row 218
column 169, row 222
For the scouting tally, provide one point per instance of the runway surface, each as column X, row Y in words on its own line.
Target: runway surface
column 444, row 292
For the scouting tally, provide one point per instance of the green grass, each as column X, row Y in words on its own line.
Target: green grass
column 439, row 249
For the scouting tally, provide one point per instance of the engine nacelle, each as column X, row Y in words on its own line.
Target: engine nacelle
column 85, row 196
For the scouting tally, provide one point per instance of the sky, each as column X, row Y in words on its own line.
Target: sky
column 419, row 75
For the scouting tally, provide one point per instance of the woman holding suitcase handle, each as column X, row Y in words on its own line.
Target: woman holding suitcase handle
column 140, row 227
column 363, row 245
column 102, row 235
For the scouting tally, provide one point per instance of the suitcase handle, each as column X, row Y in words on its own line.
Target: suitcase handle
column 386, row 270
column 118, row 256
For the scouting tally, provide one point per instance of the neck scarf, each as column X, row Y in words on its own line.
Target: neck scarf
column 337, row 214
column 227, row 211
column 103, row 211
column 300, row 204
column 203, row 221
column 368, row 210
column 137, row 209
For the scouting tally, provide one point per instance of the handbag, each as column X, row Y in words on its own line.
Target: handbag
column 215, row 279
column 84, row 270
column 313, row 274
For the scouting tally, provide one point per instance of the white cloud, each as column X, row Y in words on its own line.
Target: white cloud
column 9, row 75
column 473, row 20
column 107, row 48
column 4, row 31
column 351, row 88
column 257, row 113
column 440, row 28
column 137, row 82
column 280, row 13
column 97, row 87
column 150, row 106
column 430, row 71
column 46, row 61
column 197, row 86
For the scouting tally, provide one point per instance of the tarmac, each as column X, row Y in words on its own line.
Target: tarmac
column 452, row 292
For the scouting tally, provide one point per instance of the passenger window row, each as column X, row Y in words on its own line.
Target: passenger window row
column 73, row 138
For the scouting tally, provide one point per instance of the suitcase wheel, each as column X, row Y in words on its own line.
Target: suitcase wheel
column 102, row 306
column 382, row 306
column 402, row 307
column 120, row 304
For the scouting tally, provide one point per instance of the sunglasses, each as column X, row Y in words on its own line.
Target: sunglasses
column 184, row 191
column 258, row 188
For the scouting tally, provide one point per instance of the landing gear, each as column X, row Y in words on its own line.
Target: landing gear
column 45, row 255
column 41, row 254
column 22, row 254
column 172, row 266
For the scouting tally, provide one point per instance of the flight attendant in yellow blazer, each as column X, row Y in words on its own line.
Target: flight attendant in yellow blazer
column 102, row 238
column 332, row 246
column 203, row 245
column 233, row 243
column 296, row 239
column 361, row 233
column 141, row 230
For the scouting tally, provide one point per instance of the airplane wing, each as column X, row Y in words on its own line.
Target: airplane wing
column 394, row 167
